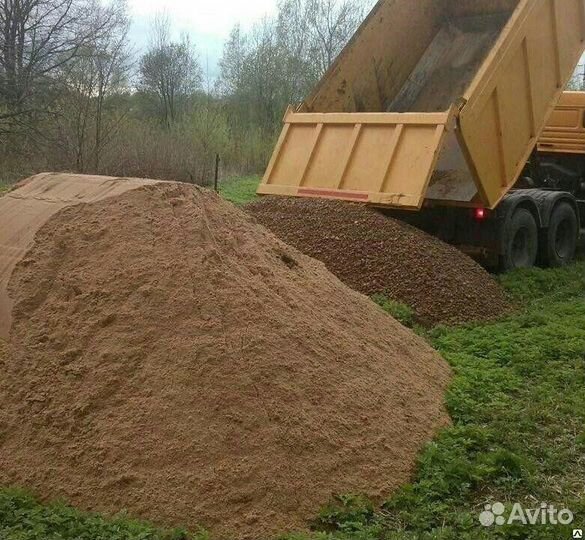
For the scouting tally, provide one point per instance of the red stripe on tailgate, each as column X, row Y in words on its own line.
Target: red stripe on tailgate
column 334, row 194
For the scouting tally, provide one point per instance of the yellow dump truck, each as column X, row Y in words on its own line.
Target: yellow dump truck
column 435, row 107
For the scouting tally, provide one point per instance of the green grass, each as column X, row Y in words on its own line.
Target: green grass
column 23, row 518
column 4, row 188
column 401, row 312
column 518, row 407
column 240, row 190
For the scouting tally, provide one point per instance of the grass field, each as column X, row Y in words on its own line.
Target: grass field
column 518, row 408
column 240, row 190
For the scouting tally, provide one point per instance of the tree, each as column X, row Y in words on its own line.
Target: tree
column 66, row 99
column 112, row 66
column 298, row 53
column 332, row 23
column 100, row 70
column 262, row 76
column 279, row 62
column 38, row 38
column 231, row 64
column 170, row 70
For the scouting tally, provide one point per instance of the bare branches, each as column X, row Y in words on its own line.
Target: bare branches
column 170, row 70
column 232, row 62
column 38, row 38
column 67, row 96
column 331, row 24
column 100, row 69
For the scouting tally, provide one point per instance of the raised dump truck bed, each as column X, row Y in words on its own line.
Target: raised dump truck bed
column 432, row 102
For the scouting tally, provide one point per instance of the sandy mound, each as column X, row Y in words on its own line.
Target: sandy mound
column 30, row 204
column 171, row 357
column 373, row 253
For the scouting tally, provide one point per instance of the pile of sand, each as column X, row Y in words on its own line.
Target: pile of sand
column 170, row 357
column 375, row 254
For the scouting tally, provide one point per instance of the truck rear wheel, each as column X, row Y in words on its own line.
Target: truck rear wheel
column 521, row 249
column 562, row 236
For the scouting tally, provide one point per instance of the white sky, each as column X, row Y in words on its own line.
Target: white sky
column 215, row 17
column 208, row 22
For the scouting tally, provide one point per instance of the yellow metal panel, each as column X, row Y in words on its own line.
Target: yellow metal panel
column 481, row 7
column 410, row 172
column 326, row 167
column 491, row 151
column 569, row 119
column 372, row 158
column 565, row 130
column 518, row 132
column 292, row 157
column 513, row 95
column 542, row 60
column 366, row 118
column 379, row 58
column 385, row 159
column 571, row 99
column 571, row 32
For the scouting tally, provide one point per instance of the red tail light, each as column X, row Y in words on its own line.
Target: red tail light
column 480, row 214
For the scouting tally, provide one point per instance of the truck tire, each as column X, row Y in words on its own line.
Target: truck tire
column 521, row 249
column 562, row 236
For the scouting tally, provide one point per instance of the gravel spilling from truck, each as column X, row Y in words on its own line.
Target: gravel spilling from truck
column 375, row 254
column 171, row 357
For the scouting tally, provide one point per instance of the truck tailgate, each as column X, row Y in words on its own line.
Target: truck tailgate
column 377, row 158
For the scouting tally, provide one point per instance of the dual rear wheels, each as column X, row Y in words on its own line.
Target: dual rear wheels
column 555, row 247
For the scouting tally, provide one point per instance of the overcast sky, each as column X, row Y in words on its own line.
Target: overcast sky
column 208, row 22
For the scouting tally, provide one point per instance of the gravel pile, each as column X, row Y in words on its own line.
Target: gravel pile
column 375, row 254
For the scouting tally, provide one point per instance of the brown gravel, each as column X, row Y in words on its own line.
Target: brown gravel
column 170, row 357
column 375, row 254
